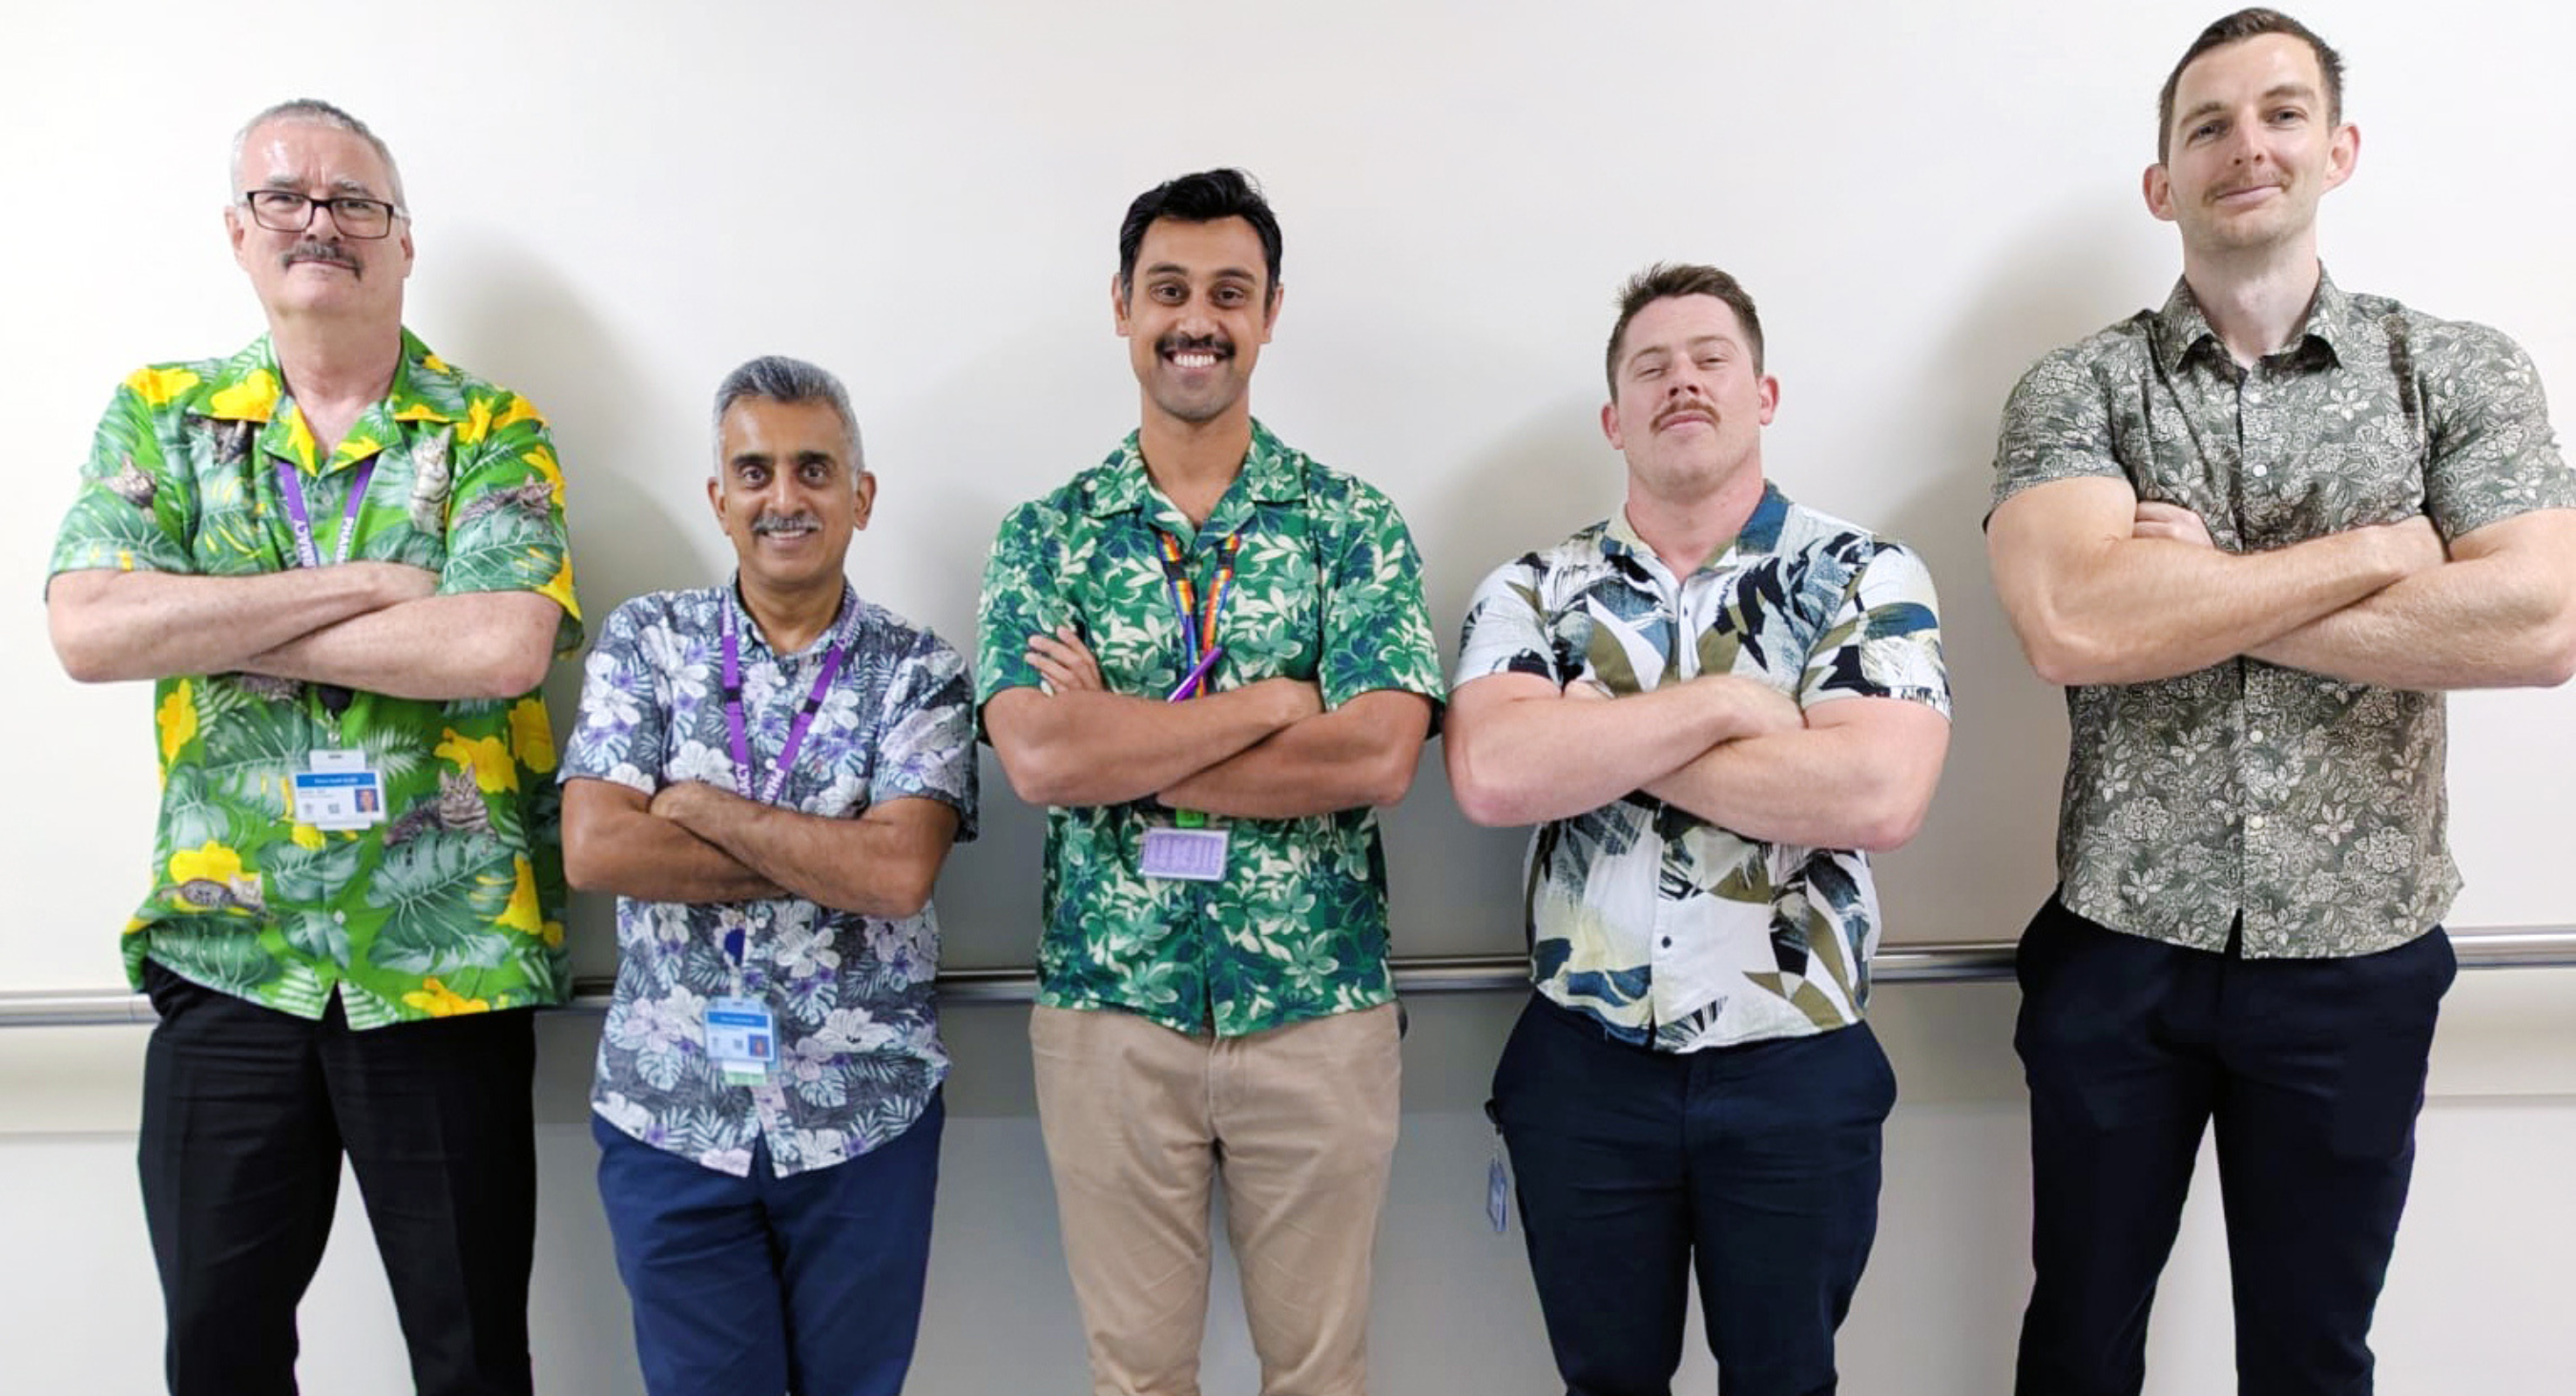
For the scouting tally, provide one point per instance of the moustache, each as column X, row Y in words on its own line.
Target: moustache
column 768, row 524
column 1216, row 344
column 1688, row 409
column 316, row 250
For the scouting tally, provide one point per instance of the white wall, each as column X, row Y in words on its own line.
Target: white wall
column 617, row 202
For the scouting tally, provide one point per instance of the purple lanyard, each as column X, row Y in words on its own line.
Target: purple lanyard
column 736, row 733
column 292, row 491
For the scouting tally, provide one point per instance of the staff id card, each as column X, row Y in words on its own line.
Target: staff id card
column 1191, row 855
column 742, row 1040
column 339, row 792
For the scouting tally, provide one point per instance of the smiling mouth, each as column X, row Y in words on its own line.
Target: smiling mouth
column 1193, row 354
column 772, row 526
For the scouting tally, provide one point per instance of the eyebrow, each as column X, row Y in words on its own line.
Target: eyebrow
column 290, row 184
column 1220, row 274
column 1693, row 345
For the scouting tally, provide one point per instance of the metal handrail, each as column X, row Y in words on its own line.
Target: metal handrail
column 1947, row 962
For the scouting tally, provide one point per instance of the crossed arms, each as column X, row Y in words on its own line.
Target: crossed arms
column 694, row 842
column 1267, row 750
column 376, row 626
column 1850, row 773
column 2103, row 588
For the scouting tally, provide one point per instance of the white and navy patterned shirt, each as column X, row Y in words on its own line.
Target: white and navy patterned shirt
column 858, row 1051
column 1671, row 931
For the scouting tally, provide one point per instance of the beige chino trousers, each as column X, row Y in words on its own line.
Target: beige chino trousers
column 1298, row 1123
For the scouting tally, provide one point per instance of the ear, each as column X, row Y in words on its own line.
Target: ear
column 404, row 237
column 1768, row 391
column 2157, row 186
column 236, row 228
column 715, row 498
column 2343, row 154
column 1270, row 312
column 1118, row 304
column 1610, row 424
column 863, row 497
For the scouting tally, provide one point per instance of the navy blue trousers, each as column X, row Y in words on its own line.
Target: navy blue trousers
column 1758, row 1165
column 809, row 1284
column 2312, row 1072
column 247, row 1113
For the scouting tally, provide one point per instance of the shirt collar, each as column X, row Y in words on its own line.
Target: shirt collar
column 1268, row 475
column 249, row 387
column 2181, row 328
column 1760, row 533
column 757, row 643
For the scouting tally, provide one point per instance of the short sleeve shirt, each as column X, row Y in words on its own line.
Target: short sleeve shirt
column 1673, row 932
column 1327, row 588
column 455, row 903
column 2312, row 806
column 858, row 1050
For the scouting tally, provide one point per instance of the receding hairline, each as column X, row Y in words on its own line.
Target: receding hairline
column 306, row 111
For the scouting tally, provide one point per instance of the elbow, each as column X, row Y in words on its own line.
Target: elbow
column 78, row 647
column 2554, row 656
column 511, row 671
column 1037, row 779
column 585, row 870
column 2069, row 659
column 1486, row 802
column 1889, row 829
column 1389, row 778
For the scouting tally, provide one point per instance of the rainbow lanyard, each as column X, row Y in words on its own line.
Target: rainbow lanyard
column 1198, row 628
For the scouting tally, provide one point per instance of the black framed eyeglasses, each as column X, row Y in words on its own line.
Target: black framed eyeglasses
column 285, row 211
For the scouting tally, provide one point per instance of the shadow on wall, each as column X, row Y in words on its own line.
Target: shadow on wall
column 507, row 315
column 1985, row 858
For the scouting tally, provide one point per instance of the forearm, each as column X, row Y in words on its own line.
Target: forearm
column 108, row 626
column 1541, row 755
column 473, row 645
column 1359, row 755
column 1816, row 787
column 2151, row 609
column 632, row 853
column 862, row 865
column 2474, row 623
column 1091, row 747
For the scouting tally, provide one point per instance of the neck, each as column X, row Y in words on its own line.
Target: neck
column 791, row 618
column 1685, row 533
column 2255, row 299
column 336, row 368
column 1192, row 463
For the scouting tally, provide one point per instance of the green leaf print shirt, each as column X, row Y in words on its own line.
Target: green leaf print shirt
column 454, row 904
column 1328, row 588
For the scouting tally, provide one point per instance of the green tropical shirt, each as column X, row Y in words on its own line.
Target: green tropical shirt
column 2313, row 806
column 1327, row 588
column 454, row 904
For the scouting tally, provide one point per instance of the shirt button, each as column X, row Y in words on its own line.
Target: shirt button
column 2255, row 737
column 2253, row 821
column 340, row 916
column 2258, row 471
column 2253, row 398
column 1668, row 942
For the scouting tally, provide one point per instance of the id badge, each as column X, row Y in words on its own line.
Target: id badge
column 1193, row 855
column 339, row 792
column 742, row 1040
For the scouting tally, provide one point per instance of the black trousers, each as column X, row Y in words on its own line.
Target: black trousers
column 246, row 1115
column 2312, row 1072
column 1757, row 1166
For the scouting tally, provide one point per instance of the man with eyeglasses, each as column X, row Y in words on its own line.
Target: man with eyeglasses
column 343, row 563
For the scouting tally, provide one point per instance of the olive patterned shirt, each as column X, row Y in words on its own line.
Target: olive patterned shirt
column 2313, row 806
column 1328, row 588
column 1670, row 931
column 454, row 904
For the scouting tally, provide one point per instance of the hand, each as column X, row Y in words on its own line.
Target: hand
column 394, row 582
column 1063, row 662
column 2415, row 544
column 1751, row 707
column 2171, row 522
column 677, row 800
column 1296, row 699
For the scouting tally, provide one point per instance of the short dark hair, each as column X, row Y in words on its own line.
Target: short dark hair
column 2236, row 29
column 778, row 378
column 1669, row 281
column 1204, row 197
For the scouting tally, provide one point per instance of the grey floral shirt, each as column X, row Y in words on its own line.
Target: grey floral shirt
column 1671, row 931
column 2313, row 806
column 858, row 1051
